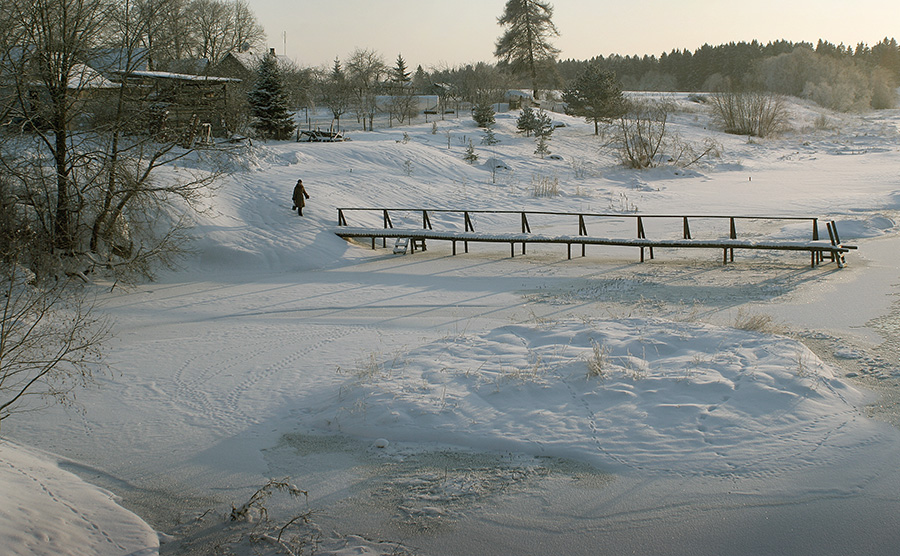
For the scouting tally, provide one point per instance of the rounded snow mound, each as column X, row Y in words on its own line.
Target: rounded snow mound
column 645, row 394
column 48, row 511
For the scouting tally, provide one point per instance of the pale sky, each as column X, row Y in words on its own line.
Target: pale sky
column 453, row 32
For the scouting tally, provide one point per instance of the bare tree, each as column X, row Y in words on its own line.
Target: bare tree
column 365, row 70
column 60, row 33
column 50, row 341
column 336, row 91
column 169, row 31
column 481, row 83
column 402, row 104
column 221, row 27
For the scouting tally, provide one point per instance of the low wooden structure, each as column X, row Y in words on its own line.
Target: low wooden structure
column 174, row 102
column 818, row 249
column 319, row 136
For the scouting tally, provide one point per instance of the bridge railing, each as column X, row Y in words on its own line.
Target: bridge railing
column 579, row 219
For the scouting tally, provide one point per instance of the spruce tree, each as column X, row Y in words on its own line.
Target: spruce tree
column 596, row 96
column 399, row 73
column 471, row 156
column 268, row 102
column 483, row 114
column 527, row 121
column 543, row 149
column 489, row 138
column 543, row 129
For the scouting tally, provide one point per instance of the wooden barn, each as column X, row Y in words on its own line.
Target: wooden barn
column 175, row 102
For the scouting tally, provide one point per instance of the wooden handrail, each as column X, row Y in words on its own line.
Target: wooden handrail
column 582, row 216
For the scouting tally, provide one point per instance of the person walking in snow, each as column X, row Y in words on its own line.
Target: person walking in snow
column 299, row 197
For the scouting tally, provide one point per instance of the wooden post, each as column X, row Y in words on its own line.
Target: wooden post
column 341, row 220
column 837, row 240
column 387, row 224
column 582, row 231
column 820, row 256
column 642, row 234
column 469, row 226
column 525, row 226
column 687, row 229
column 831, row 236
column 426, row 222
column 733, row 235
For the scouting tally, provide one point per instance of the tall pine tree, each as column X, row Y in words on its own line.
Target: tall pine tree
column 525, row 45
column 268, row 102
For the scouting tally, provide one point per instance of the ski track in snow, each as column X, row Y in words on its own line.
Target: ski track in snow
column 195, row 380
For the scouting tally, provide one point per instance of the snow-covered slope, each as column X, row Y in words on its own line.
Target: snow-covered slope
column 277, row 330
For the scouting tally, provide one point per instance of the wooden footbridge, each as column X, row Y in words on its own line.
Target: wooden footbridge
column 415, row 237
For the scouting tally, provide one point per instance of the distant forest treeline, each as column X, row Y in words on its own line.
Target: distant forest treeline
column 836, row 76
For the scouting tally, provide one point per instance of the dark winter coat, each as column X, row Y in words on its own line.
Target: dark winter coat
column 299, row 195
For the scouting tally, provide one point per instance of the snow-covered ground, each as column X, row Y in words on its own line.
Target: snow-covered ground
column 482, row 404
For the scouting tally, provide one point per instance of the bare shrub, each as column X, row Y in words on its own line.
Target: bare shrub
column 254, row 508
column 580, row 168
column 685, row 153
column 545, row 186
column 597, row 361
column 643, row 133
column 757, row 322
column 753, row 113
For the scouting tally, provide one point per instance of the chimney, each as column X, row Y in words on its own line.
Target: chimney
column 272, row 51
